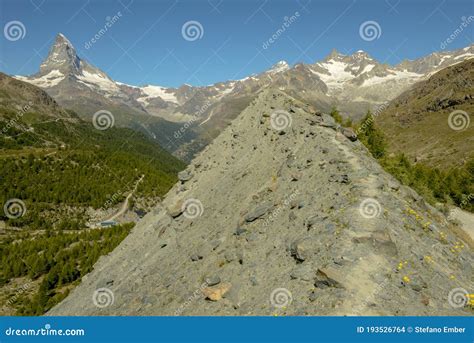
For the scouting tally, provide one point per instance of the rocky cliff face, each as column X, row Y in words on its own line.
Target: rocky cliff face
column 284, row 213
column 62, row 58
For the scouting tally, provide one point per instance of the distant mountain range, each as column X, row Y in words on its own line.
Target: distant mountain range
column 354, row 83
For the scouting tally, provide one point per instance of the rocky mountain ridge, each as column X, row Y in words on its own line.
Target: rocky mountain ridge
column 353, row 83
column 284, row 213
column 340, row 74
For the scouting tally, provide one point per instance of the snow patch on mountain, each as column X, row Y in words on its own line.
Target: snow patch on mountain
column 151, row 92
column 225, row 90
column 98, row 81
column 48, row 80
column 126, row 85
column 394, row 75
column 464, row 56
column 367, row 68
column 336, row 73
column 279, row 67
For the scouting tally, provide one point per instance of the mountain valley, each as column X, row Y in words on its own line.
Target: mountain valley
column 81, row 175
column 328, row 186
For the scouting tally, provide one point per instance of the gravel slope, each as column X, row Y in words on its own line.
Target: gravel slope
column 300, row 221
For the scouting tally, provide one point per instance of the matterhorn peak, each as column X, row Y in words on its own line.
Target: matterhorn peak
column 63, row 40
column 62, row 57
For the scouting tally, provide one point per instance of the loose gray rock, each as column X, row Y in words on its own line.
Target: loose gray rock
column 394, row 185
column 258, row 212
column 303, row 272
column 195, row 257
column 349, row 134
column 292, row 216
column 212, row 280
column 175, row 210
column 328, row 121
column 184, row 176
column 329, row 277
column 314, row 220
column 240, row 231
column 297, row 250
column 343, row 178
column 297, row 203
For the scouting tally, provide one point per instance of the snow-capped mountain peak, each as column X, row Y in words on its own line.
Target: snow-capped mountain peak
column 151, row 92
column 337, row 69
column 63, row 64
column 62, row 57
column 361, row 55
column 279, row 67
column 356, row 80
column 334, row 55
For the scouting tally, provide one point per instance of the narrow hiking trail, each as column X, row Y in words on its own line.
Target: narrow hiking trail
column 124, row 206
column 267, row 210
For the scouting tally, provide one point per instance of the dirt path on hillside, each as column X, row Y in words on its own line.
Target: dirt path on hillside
column 125, row 202
column 466, row 220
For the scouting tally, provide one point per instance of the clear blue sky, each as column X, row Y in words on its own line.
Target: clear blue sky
column 146, row 46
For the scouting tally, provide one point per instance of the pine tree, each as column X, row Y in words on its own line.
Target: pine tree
column 336, row 115
column 372, row 137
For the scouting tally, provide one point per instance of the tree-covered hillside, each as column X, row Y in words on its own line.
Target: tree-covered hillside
column 59, row 174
